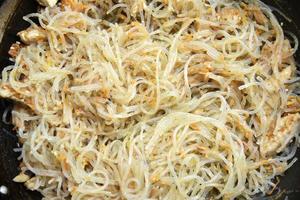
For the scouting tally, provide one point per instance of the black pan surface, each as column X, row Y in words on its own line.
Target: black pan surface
column 289, row 186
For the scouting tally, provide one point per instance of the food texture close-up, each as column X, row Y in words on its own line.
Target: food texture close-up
column 149, row 100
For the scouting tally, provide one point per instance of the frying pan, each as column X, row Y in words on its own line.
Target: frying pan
column 11, row 12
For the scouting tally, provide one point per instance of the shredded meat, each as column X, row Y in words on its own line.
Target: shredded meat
column 257, row 13
column 15, row 49
column 280, row 135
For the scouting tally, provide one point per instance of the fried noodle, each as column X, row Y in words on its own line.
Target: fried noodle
column 157, row 99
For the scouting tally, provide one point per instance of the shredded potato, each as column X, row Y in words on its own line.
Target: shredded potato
column 157, row 99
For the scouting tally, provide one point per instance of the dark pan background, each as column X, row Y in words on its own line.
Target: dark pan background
column 289, row 185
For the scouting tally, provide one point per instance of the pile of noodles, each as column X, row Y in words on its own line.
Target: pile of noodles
column 158, row 99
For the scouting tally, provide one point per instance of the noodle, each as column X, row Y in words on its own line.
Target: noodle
column 154, row 100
